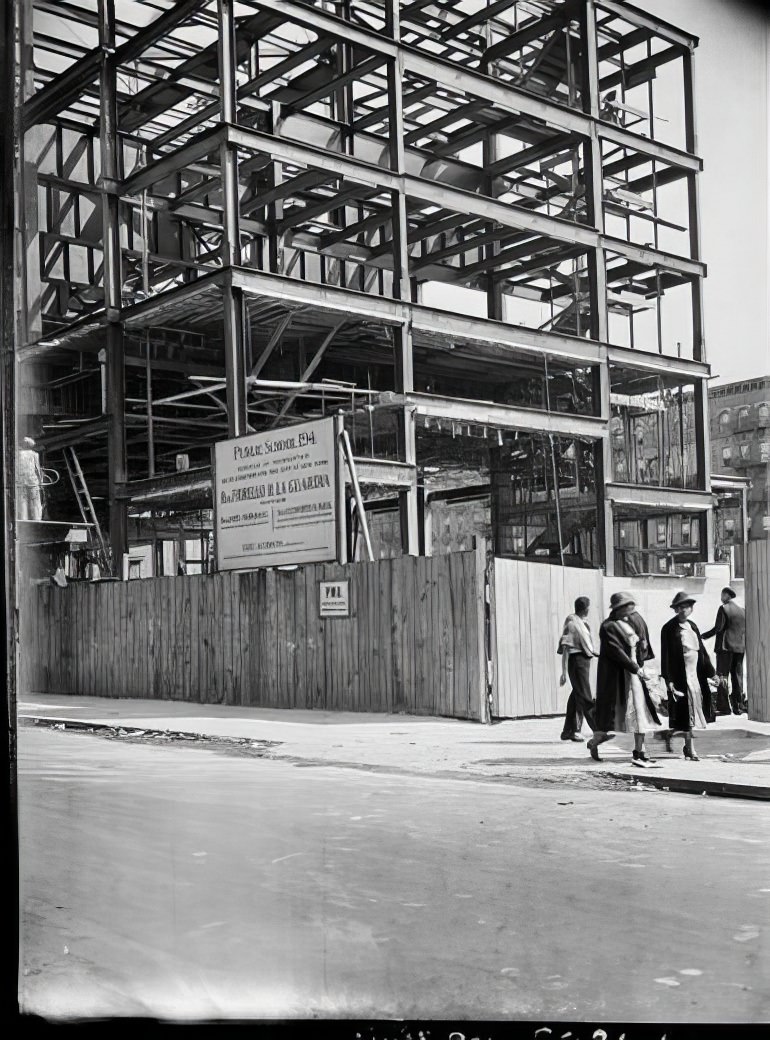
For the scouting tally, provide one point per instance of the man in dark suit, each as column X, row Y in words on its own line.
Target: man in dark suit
column 730, row 646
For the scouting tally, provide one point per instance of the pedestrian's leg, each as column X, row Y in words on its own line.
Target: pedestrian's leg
column 689, row 749
column 581, row 686
column 573, row 718
column 570, row 718
column 736, row 679
column 723, row 672
column 640, row 756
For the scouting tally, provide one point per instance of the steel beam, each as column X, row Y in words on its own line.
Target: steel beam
column 503, row 417
column 328, row 25
column 202, row 145
column 668, row 499
column 642, row 20
column 566, row 348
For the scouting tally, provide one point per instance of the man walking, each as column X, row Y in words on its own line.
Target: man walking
column 577, row 648
column 730, row 647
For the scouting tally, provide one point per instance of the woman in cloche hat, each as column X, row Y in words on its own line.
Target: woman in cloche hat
column 686, row 668
column 623, row 702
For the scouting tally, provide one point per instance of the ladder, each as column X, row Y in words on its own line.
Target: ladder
column 86, row 507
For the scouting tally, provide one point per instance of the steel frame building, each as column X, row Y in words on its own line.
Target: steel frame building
column 428, row 214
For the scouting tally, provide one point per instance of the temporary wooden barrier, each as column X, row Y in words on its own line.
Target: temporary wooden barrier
column 414, row 641
column 757, row 600
column 529, row 604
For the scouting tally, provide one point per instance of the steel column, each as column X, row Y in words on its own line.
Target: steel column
column 116, row 376
column 233, row 309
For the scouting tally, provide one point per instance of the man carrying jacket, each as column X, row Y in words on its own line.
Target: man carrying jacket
column 730, row 646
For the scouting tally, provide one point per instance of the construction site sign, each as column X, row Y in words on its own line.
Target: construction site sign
column 274, row 497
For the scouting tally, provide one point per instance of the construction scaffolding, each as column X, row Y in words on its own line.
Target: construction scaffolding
column 471, row 228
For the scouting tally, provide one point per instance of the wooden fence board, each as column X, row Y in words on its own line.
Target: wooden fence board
column 757, row 600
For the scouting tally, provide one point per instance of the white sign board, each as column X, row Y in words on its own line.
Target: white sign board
column 334, row 599
column 274, row 497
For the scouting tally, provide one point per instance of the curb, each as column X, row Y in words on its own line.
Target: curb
column 683, row 785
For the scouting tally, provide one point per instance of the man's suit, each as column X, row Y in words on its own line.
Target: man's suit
column 730, row 646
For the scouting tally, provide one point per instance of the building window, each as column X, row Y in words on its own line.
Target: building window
column 661, row 531
column 195, row 555
column 745, row 451
column 726, row 454
column 763, row 414
column 724, row 419
column 685, row 532
column 743, row 414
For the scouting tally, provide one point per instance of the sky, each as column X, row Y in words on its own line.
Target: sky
column 732, row 82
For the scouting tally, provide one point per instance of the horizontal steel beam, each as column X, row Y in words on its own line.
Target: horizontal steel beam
column 673, row 499
column 328, row 25
column 429, row 319
column 642, row 20
column 501, row 416
column 383, row 472
column 198, row 147
column 689, row 371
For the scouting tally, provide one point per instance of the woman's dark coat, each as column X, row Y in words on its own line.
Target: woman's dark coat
column 614, row 662
column 672, row 670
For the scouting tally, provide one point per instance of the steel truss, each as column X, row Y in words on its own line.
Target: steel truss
column 238, row 214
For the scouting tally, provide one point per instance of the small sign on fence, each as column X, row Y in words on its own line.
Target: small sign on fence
column 334, row 599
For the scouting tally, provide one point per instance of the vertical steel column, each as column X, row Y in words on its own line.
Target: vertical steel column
column 116, row 372
column 233, row 306
column 597, row 284
column 404, row 374
column 8, row 600
column 701, row 403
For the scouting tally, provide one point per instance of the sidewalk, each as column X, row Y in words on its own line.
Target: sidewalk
column 735, row 752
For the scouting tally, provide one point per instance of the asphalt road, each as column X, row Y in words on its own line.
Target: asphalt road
column 179, row 882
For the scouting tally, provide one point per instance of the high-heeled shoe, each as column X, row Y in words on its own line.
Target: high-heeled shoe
column 689, row 752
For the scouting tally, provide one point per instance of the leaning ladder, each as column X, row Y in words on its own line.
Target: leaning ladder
column 86, row 507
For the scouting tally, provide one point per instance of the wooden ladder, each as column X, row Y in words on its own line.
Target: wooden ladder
column 86, row 507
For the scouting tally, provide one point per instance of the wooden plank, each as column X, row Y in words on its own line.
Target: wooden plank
column 257, row 695
column 284, row 628
column 364, row 578
column 192, row 681
column 146, row 606
column 446, row 610
column 227, row 624
column 43, row 629
column 76, row 634
column 270, row 652
column 315, row 648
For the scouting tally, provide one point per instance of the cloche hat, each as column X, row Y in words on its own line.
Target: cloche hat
column 730, row 592
column 680, row 599
column 621, row 599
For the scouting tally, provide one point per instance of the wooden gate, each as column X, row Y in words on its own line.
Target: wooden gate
column 529, row 604
column 757, row 600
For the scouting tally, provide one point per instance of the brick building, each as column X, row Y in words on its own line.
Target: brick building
column 739, row 417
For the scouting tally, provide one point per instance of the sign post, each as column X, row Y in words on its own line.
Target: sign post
column 275, row 497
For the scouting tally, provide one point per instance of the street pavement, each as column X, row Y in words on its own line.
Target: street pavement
column 175, row 879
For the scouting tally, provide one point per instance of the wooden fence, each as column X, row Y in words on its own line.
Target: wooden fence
column 414, row 641
column 757, row 600
column 529, row 604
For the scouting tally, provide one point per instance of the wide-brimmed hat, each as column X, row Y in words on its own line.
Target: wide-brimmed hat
column 680, row 599
column 730, row 592
column 621, row 599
